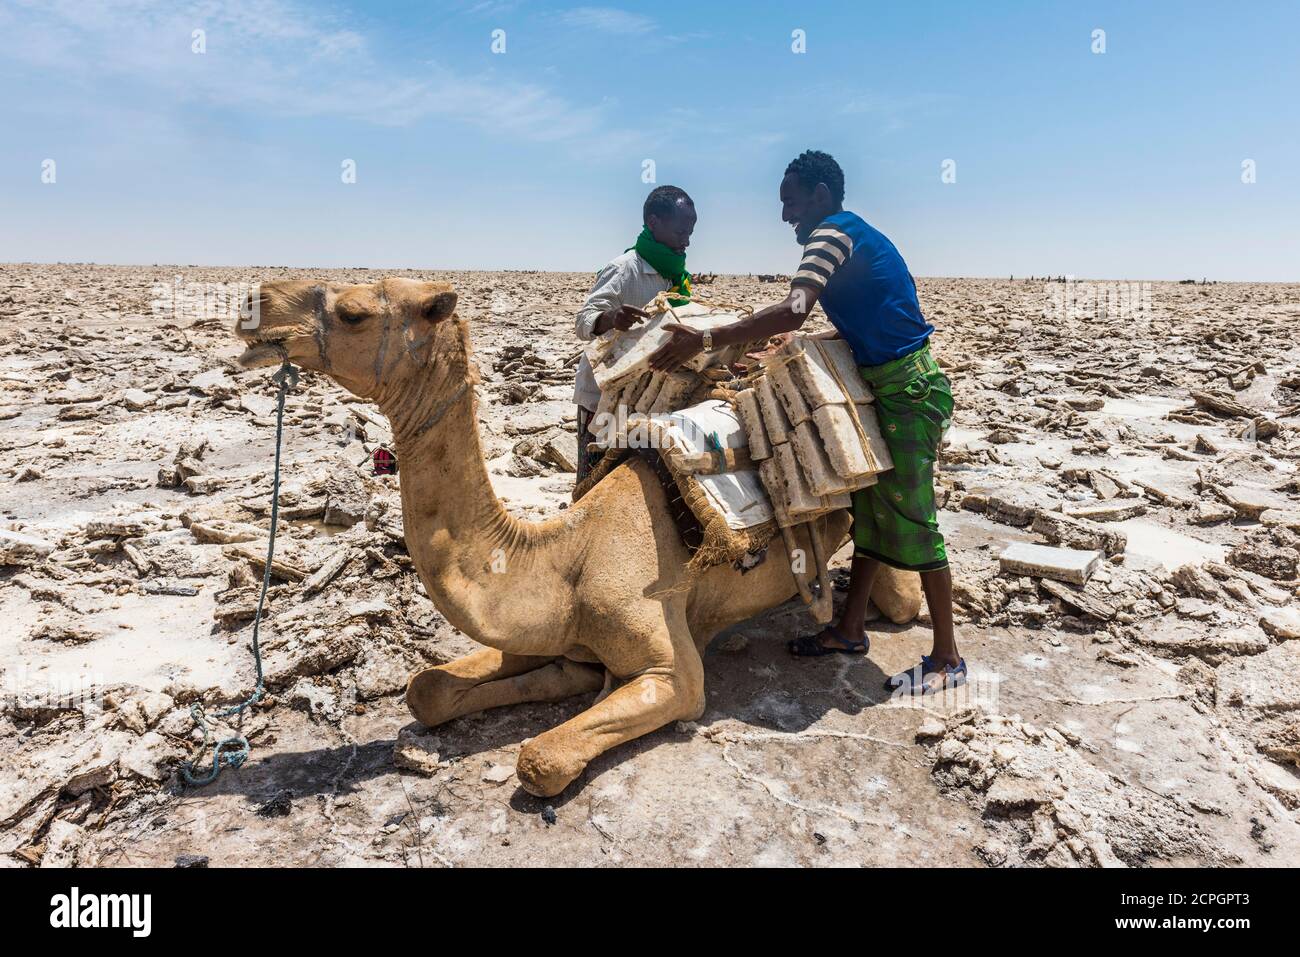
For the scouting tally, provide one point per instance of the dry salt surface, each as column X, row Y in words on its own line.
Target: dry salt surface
column 1146, row 719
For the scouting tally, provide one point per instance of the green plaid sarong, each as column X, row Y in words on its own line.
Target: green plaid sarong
column 896, row 521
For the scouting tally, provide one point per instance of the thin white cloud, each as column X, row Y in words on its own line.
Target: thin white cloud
column 608, row 20
column 269, row 57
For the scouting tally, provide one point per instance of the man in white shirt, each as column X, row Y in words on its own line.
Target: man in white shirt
column 655, row 264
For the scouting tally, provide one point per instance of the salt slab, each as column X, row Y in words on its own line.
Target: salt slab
column 1045, row 561
column 628, row 352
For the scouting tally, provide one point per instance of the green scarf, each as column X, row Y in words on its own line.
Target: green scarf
column 670, row 265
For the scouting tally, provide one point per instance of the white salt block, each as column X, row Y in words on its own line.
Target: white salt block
column 840, row 439
column 650, row 393
column 844, row 445
column 796, row 407
column 815, row 364
column 774, row 417
column 608, row 401
column 629, row 350
column 810, row 451
column 751, row 418
column 676, row 391
column 798, row 496
column 1044, row 561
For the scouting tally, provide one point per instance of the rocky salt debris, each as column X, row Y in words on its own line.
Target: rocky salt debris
column 1055, row 416
column 186, row 467
column 61, row 782
column 17, row 548
column 419, row 750
column 1045, row 804
column 543, row 453
column 1078, row 533
column 1282, row 623
column 1211, row 513
column 522, row 373
column 346, row 499
column 1272, row 553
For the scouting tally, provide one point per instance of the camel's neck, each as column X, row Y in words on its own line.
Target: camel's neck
column 443, row 476
column 468, row 548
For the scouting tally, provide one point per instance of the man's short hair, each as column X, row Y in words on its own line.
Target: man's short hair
column 663, row 201
column 812, row 167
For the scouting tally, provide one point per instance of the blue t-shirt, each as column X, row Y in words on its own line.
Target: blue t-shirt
column 866, row 289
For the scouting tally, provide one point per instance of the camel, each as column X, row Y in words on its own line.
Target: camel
column 598, row 599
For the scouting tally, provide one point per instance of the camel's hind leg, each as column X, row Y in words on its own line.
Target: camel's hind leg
column 671, row 689
column 490, row 679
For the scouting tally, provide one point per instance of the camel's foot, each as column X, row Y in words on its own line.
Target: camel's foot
column 544, row 770
column 432, row 696
column 552, row 761
column 489, row 679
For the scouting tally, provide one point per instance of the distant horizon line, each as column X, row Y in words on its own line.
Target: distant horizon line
column 571, row 272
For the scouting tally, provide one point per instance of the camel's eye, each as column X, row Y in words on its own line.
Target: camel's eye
column 351, row 313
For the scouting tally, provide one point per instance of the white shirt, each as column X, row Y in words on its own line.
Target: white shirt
column 627, row 281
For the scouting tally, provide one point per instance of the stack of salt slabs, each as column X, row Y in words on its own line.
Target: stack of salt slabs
column 621, row 363
column 812, row 429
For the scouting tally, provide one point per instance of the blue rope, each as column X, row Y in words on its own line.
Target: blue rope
column 233, row 752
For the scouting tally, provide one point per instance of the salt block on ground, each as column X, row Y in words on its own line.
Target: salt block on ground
column 1281, row 623
column 1044, row 561
column 19, row 549
column 1116, row 510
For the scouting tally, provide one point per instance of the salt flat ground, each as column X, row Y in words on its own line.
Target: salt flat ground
column 1150, row 719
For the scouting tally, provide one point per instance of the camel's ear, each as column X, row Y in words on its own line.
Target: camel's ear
column 439, row 307
column 419, row 338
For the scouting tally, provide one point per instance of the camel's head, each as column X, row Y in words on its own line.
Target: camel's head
column 362, row 336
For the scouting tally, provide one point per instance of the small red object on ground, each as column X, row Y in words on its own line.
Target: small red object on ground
column 385, row 461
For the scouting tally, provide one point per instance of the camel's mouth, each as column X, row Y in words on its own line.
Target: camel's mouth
column 262, row 354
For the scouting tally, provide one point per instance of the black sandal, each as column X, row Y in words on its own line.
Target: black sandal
column 810, row 646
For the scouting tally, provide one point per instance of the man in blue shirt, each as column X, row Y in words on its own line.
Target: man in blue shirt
column 869, row 295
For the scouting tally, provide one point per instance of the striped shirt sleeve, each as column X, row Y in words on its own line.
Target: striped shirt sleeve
column 828, row 249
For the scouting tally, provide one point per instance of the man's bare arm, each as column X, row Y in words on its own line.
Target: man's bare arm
column 786, row 316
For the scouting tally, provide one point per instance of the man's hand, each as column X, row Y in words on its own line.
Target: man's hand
column 774, row 345
column 684, row 346
column 620, row 317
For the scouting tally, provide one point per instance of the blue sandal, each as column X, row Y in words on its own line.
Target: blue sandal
column 913, row 680
column 810, row 646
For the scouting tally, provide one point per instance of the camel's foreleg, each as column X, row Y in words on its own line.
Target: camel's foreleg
column 491, row 679
column 672, row 689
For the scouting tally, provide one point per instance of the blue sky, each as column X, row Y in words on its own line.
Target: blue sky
column 1124, row 164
